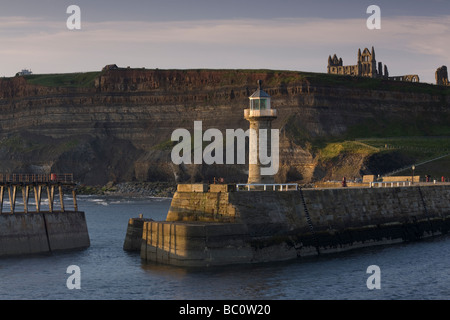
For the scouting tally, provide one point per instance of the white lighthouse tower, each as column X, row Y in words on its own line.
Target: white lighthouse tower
column 260, row 116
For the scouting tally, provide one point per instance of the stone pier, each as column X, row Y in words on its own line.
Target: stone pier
column 43, row 232
column 212, row 225
column 36, row 229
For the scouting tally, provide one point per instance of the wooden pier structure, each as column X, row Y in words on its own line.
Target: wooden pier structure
column 36, row 183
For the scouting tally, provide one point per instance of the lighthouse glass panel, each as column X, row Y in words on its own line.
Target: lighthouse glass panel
column 254, row 105
column 263, row 104
column 259, row 104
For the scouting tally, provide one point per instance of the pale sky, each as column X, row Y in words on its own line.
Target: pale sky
column 234, row 34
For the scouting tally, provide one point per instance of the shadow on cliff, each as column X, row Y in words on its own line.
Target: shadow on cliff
column 99, row 160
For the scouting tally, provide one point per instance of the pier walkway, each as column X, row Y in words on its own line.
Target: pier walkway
column 36, row 184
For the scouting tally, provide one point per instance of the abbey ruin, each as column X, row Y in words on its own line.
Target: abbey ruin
column 366, row 67
column 442, row 76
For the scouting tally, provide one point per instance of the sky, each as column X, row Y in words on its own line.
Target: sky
column 233, row 34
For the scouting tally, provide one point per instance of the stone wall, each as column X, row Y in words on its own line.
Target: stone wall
column 67, row 230
column 196, row 244
column 30, row 233
column 273, row 226
column 133, row 237
column 22, row 234
column 401, row 178
column 201, row 206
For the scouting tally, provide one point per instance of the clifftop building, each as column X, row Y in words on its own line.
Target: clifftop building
column 24, row 72
column 442, row 76
column 366, row 66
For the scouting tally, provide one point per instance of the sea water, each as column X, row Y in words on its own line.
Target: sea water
column 419, row 270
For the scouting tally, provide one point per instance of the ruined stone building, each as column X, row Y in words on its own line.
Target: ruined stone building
column 366, row 66
column 442, row 76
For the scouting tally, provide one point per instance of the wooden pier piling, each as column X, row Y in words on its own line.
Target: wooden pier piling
column 36, row 183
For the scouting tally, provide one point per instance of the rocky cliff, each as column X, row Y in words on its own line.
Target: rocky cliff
column 118, row 128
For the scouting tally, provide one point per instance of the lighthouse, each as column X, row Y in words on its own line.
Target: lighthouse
column 260, row 115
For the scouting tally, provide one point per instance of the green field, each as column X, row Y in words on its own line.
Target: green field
column 334, row 149
column 421, row 148
column 76, row 80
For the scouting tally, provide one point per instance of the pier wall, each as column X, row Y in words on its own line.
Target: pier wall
column 215, row 228
column 133, row 237
column 41, row 232
column 213, row 206
column 194, row 244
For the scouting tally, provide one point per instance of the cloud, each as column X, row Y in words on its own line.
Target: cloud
column 298, row 44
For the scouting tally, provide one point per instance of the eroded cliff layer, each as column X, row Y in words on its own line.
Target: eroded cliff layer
column 118, row 126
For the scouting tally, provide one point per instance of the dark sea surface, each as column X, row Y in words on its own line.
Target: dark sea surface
column 419, row 270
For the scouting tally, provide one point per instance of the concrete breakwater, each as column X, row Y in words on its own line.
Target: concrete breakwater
column 42, row 232
column 216, row 225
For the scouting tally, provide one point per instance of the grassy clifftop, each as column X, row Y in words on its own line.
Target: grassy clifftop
column 76, row 80
column 240, row 76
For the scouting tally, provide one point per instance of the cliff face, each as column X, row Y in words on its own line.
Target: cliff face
column 120, row 128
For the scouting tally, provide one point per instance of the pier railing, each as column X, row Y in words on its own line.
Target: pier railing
column 266, row 186
column 29, row 178
column 391, row 184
